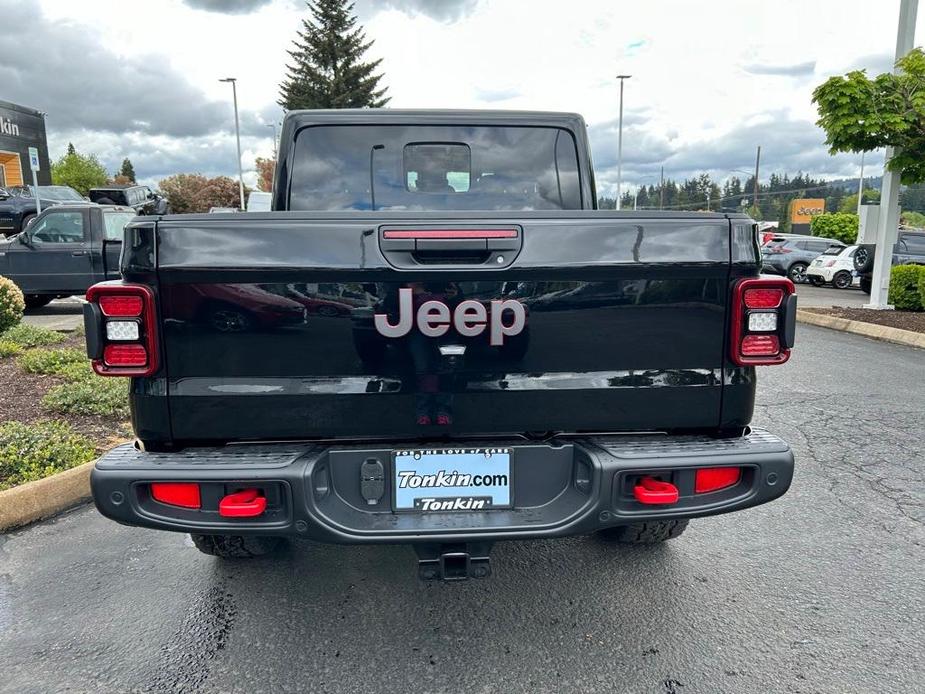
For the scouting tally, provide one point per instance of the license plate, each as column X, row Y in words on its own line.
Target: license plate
column 453, row 479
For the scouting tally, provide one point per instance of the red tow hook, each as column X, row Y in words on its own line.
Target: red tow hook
column 653, row 491
column 243, row 504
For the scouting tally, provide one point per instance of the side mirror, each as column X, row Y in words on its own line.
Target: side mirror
column 25, row 239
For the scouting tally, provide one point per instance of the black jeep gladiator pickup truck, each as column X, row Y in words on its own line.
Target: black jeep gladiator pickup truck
column 436, row 339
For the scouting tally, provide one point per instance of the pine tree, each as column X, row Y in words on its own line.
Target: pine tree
column 327, row 69
column 70, row 148
column 127, row 170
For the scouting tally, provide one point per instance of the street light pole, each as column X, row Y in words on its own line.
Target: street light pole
column 888, row 224
column 237, row 134
column 757, row 161
column 622, row 79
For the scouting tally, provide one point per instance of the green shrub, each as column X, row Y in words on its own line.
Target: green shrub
column 9, row 348
column 922, row 288
column 50, row 361
column 842, row 226
column 29, row 336
column 905, row 281
column 100, row 396
column 12, row 304
column 31, row 451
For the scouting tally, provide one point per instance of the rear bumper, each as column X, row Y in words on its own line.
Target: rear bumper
column 567, row 487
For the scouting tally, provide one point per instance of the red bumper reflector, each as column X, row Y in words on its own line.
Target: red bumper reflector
column 121, row 305
column 125, row 355
column 185, row 494
column 243, row 504
column 760, row 346
column 710, row 479
column 763, row 298
column 653, row 491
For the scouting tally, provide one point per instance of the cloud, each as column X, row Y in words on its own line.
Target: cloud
column 441, row 10
column 792, row 70
column 493, row 95
column 787, row 145
column 875, row 64
column 227, row 6
column 82, row 84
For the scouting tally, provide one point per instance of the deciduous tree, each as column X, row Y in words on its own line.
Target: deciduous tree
column 197, row 193
column 860, row 114
column 80, row 172
column 265, row 168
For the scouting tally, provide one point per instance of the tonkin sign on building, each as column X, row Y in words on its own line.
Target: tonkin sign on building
column 20, row 129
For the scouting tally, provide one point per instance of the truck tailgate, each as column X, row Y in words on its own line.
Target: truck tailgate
column 270, row 328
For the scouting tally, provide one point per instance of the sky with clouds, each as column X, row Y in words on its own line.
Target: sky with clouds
column 710, row 80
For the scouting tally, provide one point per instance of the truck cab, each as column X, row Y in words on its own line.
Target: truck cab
column 65, row 250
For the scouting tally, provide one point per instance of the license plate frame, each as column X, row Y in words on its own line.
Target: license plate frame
column 432, row 495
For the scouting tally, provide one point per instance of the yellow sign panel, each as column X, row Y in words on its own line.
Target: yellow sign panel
column 802, row 211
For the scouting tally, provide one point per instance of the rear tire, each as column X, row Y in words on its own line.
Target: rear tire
column 34, row 301
column 26, row 221
column 797, row 273
column 645, row 533
column 842, row 280
column 235, row 546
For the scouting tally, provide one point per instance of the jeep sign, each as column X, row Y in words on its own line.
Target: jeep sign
column 469, row 319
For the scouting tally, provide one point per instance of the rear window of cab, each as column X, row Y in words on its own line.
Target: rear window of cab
column 397, row 167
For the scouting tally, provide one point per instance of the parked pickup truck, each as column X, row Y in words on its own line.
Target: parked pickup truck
column 64, row 251
column 496, row 360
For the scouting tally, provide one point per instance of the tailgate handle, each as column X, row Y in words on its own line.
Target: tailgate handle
column 450, row 246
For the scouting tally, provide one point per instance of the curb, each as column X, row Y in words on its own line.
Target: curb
column 46, row 497
column 877, row 332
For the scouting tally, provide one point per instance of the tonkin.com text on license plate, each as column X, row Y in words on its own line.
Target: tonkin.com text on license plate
column 456, row 479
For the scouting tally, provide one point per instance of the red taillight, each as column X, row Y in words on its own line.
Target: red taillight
column 123, row 355
column 185, row 494
column 711, row 479
column 760, row 346
column 121, row 305
column 120, row 348
column 762, row 321
column 763, row 298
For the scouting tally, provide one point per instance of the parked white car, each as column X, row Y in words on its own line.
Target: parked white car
column 258, row 201
column 835, row 266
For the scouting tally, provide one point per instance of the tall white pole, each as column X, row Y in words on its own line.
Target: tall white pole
column 861, row 185
column 888, row 226
column 622, row 78
column 237, row 134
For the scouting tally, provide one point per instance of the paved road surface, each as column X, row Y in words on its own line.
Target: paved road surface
column 821, row 591
column 60, row 314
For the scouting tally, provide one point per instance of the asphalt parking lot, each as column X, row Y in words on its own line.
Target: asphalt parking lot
column 820, row 591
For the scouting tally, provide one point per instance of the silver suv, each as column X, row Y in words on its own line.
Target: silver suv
column 791, row 255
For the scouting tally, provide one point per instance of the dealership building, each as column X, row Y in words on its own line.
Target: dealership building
column 20, row 129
